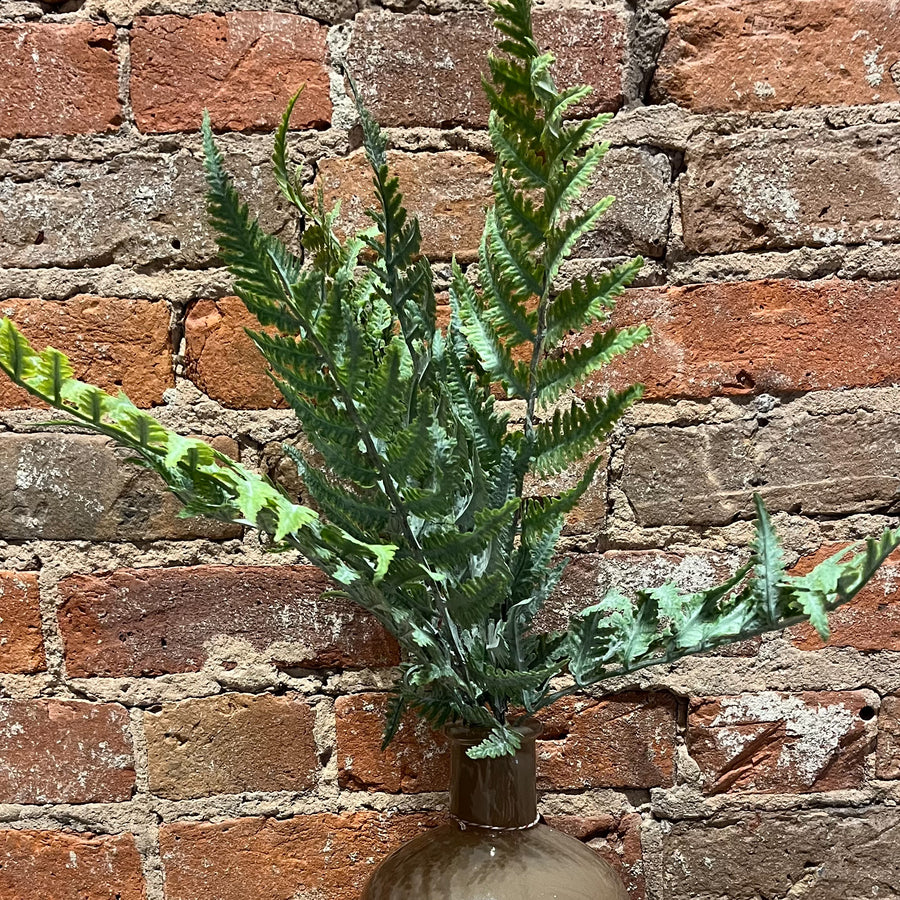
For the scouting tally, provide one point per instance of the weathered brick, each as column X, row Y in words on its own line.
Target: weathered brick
column 616, row 839
column 638, row 221
column 58, row 79
column 230, row 744
column 449, row 191
column 242, row 66
column 870, row 621
column 771, row 743
column 887, row 760
column 61, row 751
column 417, row 760
column 707, row 474
column 115, row 343
column 138, row 208
column 222, row 360
column 829, row 854
column 156, row 621
column 773, row 54
column 623, row 741
column 21, row 640
column 322, row 857
column 59, row 865
column 445, row 57
column 772, row 190
column 758, row 336
column 589, row 576
column 76, row 487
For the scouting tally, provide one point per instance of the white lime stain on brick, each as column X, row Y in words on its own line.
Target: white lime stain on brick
column 874, row 69
column 766, row 192
column 813, row 732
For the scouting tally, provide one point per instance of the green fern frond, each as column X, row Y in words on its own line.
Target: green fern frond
column 769, row 566
column 588, row 300
column 492, row 352
column 420, row 488
column 287, row 182
column 501, row 741
column 558, row 375
column 207, row 482
column 574, row 432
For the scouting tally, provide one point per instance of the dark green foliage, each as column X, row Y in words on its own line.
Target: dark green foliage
column 424, row 518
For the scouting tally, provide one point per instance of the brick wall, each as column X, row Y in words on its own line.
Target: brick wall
column 185, row 717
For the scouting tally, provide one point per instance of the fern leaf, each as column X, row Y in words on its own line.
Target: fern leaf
column 451, row 547
column 283, row 178
column 580, row 428
column 562, row 239
column 516, row 156
column 566, row 185
column 492, row 352
column 514, row 266
column 557, row 375
column 473, row 601
column 501, row 741
column 768, row 565
column 588, row 300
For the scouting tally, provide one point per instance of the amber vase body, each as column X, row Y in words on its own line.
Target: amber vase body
column 494, row 847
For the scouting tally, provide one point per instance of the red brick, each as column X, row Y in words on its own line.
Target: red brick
column 417, row 760
column 115, row 343
column 21, row 640
column 887, row 760
column 777, row 54
column 315, row 856
column 243, row 67
column 449, row 192
column 617, row 840
column 157, row 621
column 871, row 621
column 61, row 751
column 230, row 744
column 777, row 743
column 445, row 57
column 757, row 336
column 58, row 79
column 59, row 865
column 222, row 360
column 624, row 741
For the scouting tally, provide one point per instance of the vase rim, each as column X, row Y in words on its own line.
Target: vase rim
column 530, row 729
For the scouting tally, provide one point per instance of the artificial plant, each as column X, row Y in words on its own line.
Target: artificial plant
column 422, row 515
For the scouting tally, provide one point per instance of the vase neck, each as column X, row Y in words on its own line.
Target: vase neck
column 493, row 793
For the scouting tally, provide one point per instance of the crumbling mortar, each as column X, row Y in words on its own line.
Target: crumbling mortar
column 646, row 33
column 53, row 643
column 123, row 52
column 325, row 734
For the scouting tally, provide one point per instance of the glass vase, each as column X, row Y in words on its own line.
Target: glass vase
column 495, row 846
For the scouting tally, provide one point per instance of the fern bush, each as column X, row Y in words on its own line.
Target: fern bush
column 422, row 517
